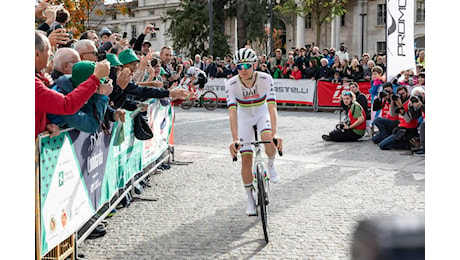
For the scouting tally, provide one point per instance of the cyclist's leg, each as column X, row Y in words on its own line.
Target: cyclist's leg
column 264, row 126
column 245, row 134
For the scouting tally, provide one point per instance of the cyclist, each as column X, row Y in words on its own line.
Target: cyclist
column 200, row 79
column 251, row 101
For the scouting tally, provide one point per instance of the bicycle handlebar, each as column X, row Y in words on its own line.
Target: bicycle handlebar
column 259, row 142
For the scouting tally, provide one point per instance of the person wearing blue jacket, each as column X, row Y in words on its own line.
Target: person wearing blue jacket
column 89, row 117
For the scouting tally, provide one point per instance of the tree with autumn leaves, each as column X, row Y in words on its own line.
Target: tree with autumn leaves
column 89, row 14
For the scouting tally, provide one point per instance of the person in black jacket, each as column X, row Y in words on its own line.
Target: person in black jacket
column 310, row 71
column 323, row 72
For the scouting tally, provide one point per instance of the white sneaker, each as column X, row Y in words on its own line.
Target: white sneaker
column 251, row 209
column 274, row 177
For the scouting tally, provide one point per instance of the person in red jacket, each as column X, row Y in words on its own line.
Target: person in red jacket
column 50, row 101
column 296, row 73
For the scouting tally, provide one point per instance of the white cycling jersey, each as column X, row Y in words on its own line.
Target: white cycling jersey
column 251, row 104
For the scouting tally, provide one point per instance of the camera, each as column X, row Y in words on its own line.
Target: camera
column 340, row 126
column 383, row 94
column 395, row 97
column 416, row 98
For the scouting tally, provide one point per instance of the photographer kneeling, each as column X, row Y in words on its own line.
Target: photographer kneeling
column 354, row 127
column 386, row 123
column 417, row 110
column 407, row 127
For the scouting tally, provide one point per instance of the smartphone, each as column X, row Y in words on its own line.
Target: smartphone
column 125, row 34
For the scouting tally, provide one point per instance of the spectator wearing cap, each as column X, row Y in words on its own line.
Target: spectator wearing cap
column 130, row 63
column 105, row 34
column 323, row 72
column 50, row 101
column 63, row 62
column 88, row 118
column 277, row 64
column 140, row 40
column 146, row 47
column 86, row 49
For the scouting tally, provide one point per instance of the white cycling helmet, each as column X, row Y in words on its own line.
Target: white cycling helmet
column 244, row 55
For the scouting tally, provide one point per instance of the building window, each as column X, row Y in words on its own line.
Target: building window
column 133, row 31
column 132, row 14
column 342, row 20
column 308, row 21
column 114, row 16
column 381, row 14
column 153, row 35
column 381, row 48
column 151, row 12
column 420, row 15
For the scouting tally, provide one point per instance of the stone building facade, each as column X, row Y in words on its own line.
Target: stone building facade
column 361, row 29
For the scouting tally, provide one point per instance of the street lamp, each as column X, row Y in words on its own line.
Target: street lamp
column 362, row 33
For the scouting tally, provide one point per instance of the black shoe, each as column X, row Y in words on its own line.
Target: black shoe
column 99, row 231
column 166, row 166
column 326, row 138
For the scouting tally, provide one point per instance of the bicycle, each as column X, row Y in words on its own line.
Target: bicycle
column 207, row 99
column 261, row 180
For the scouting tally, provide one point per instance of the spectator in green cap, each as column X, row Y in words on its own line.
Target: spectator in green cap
column 88, row 118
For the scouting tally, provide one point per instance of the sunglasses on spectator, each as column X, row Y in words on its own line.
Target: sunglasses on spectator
column 91, row 52
column 346, row 93
column 246, row 66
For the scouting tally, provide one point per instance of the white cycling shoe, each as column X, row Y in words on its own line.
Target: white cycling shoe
column 251, row 208
column 274, row 177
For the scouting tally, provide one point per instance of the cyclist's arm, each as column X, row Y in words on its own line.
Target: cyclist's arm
column 232, row 111
column 271, row 103
column 233, row 124
column 273, row 117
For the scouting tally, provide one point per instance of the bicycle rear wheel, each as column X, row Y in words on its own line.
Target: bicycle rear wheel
column 262, row 197
column 209, row 100
column 188, row 103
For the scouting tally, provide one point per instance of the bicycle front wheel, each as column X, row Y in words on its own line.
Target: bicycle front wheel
column 262, row 197
column 209, row 100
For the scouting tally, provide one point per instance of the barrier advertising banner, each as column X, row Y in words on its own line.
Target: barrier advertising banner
column 329, row 93
column 80, row 172
column 64, row 197
column 287, row 90
column 400, row 37
column 160, row 121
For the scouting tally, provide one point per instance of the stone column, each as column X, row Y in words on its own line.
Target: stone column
column 300, row 36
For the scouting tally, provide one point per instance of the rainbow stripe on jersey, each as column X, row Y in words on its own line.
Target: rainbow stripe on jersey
column 251, row 102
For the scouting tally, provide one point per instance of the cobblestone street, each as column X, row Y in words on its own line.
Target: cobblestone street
column 325, row 189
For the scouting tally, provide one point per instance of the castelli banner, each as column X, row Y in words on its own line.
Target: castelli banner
column 288, row 91
column 400, row 37
column 329, row 93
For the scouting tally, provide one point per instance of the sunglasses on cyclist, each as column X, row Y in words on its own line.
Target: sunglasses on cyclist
column 246, row 66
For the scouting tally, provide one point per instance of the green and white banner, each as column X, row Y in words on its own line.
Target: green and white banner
column 80, row 172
